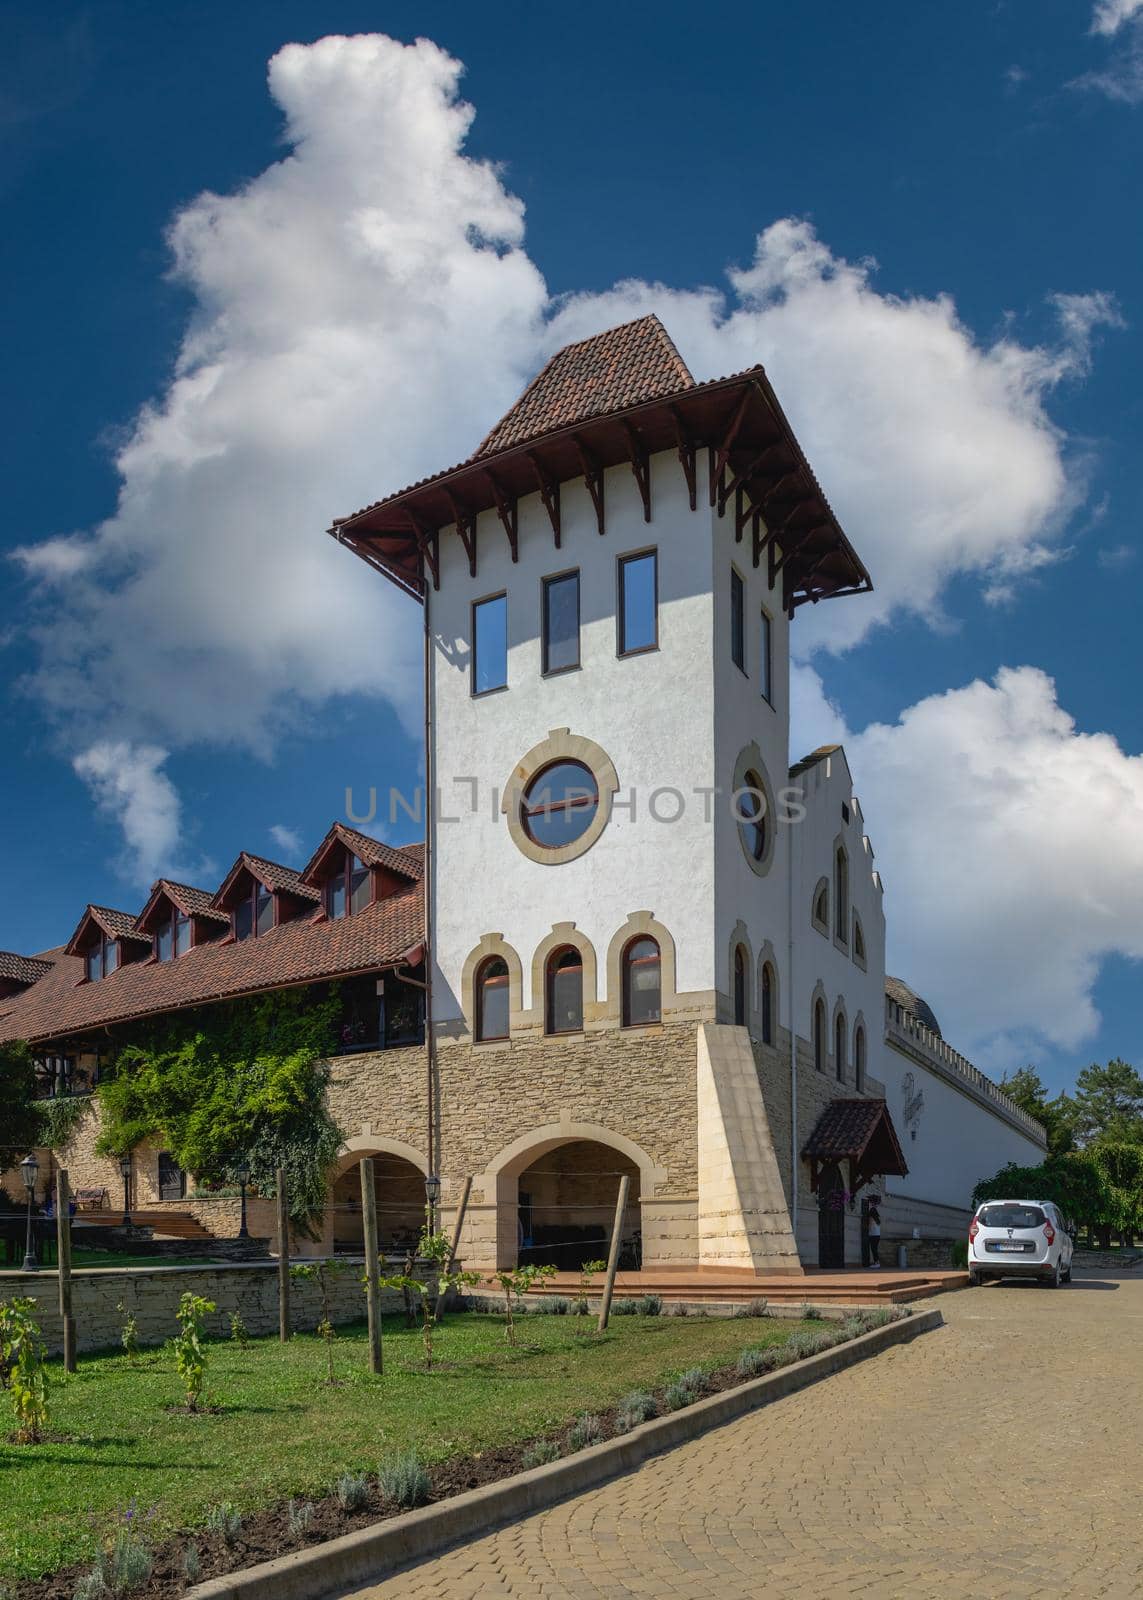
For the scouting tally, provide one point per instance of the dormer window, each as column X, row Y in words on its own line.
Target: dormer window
column 101, row 959
column 349, row 887
column 254, row 913
column 173, row 937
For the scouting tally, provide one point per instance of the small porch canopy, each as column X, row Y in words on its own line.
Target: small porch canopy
column 860, row 1131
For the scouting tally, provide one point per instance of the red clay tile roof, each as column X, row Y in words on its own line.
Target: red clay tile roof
column 307, row 950
column 407, row 860
column 622, row 367
column 115, row 924
column 849, row 1127
column 271, row 874
column 192, row 902
column 22, row 969
column 822, row 751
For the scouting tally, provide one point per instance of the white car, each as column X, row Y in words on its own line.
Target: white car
column 1020, row 1239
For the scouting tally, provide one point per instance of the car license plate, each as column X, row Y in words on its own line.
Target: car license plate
column 1010, row 1244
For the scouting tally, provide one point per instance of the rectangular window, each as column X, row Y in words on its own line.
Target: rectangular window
column 490, row 644
column 182, row 933
column 561, row 622
column 737, row 621
column 110, row 956
column 335, row 895
column 360, row 887
column 165, row 941
column 766, row 659
column 264, row 903
column 244, row 918
column 94, row 964
column 638, row 603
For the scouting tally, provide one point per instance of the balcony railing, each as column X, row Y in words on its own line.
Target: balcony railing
column 910, row 1029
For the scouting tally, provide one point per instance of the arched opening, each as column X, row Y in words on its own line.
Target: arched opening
column 491, row 990
column 565, row 1207
column 841, row 895
column 400, row 1190
column 839, row 1043
column 819, row 1035
column 739, row 986
column 859, row 1058
column 642, row 983
column 564, row 986
column 831, row 1216
column 767, row 1004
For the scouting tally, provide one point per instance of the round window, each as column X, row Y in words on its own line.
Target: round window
column 752, row 824
column 560, row 804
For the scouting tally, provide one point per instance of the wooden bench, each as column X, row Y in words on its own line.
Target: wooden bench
column 91, row 1199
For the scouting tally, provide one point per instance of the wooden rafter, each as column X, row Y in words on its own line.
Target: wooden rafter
column 507, row 509
column 549, row 493
column 640, row 466
column 428, row 549
column 465, row 521
column 761, row 540
column 727, row 445
column 593, row 477
column 771, row 453
column 686, row 447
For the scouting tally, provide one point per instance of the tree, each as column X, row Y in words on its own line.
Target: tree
column 19, row 1123
column 1109, row 1104
column 1026, row 1089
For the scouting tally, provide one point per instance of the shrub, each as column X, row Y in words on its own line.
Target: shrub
column 585, row 1431
column 695, row 1379
column 190, row 1357
column 540, row 1453
column 224, row 1520
column 122, row 1565
column 129, row 1337
column 651, row 1305
column 681, row 1310
column 635, row 1408
column 22, row 1367
column 625, row 1308
column 192, row 1566
column 752, row 1363
column 515, row 1285
column 586, row 1273
column 556, row 1306
column 758, row 1308
column 878, row 1318
column 299, row 1515
column 352, row 1490
column 853, row 1327
column 238, row 1330
column 403, row 1479
column 958, row 1255
column 676, row 1395
column 811, row 1313
column 803, row 1344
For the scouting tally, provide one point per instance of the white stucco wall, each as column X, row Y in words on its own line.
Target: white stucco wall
column 653, row 714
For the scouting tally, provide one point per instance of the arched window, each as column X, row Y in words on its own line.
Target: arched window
column 858, row 941
column 491, row 990
column 565, row 990
column 839, row 1047
column 841, row 895
column 767, row 1004
column 821, row 908
column 752, row 820
column 739, row 986
column 859, row 1058
column 642, row 983
column 819, row 1035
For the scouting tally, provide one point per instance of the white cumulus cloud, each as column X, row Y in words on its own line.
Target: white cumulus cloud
column 288, row 840
column 129, row 785
column 1121, row 77
column 1111, row 15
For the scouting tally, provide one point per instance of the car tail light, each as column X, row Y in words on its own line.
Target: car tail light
column 1049, row 1233
column 973, row 1230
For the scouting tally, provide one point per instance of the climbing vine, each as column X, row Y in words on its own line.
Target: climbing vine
column 58, row 1120
column 244, row 1080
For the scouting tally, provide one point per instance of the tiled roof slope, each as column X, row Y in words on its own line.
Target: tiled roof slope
column 193, row 902
column 407, row 859
column 306, row 950
column 623, row 367
column 22, row 969
column 820, row 754
column 118, row 924
column 273, row 875
column 909, row 1000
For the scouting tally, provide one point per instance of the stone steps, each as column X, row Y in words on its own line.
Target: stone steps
column 172, row 1224
column 859, row 1288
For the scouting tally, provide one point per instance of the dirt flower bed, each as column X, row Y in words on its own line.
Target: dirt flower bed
column 231, row 1539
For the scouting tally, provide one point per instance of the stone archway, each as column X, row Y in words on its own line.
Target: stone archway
column 399, row 1184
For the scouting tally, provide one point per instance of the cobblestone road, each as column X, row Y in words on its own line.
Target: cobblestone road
column 999, row 1457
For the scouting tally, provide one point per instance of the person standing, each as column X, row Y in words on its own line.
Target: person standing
column 874, row 1237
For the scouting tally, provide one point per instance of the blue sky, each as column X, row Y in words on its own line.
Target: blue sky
column 982, row 161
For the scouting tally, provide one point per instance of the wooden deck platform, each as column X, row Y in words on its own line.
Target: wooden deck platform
column 855, row 1286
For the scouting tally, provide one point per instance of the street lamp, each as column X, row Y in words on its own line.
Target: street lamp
column 125, row 1169
column 242, row 1173
column 432, row 1195
column 29, row 1171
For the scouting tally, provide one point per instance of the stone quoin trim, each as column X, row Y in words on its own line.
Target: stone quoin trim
column 564, row 933
column 492, row 944
column 750, row 760
column 740, row 940
column 560, row 745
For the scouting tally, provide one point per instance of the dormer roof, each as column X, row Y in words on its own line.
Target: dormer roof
column 22, row 970
column 617, row 399
column 112, row 924
column 271, row 875
column 190, row 901
column 407, row 863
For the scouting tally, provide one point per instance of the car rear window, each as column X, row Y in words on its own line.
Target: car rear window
column 1011, row 1216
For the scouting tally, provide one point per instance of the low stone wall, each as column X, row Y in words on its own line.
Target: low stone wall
column 152, row 1293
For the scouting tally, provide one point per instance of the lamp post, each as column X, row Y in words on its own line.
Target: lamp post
column 432, row 1196
column 242, row 1172
column 29, row 1170
column 125, row 1169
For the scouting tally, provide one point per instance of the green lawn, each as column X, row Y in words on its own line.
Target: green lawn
column 106, row 1258
column 282, row 1431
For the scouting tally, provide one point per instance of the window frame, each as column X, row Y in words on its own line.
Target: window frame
column 100, row 950
column 819, row 1041
column 623, row 562
column 738, row 620
column 841, row 906
column 480, row 1036
column 526, row 812
column 767, row 1002
column 758, row 824
column 840, row 1043
column 497, row 688
column 626, row 966
column 550, row 970
column 766, row 657
column 739, row 995
column 859, row 1066
column 250, row 901
column 547, row 671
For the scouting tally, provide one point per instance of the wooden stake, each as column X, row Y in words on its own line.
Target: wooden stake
column 372, row 1264
column 613, row 1253
column 63, row 1258
column 460, row 1211
column 284, row 1329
